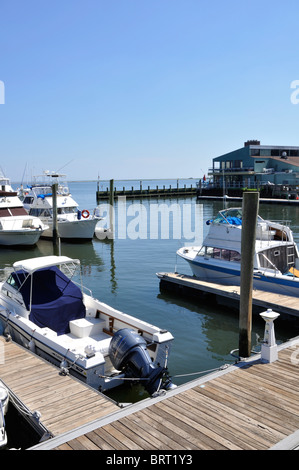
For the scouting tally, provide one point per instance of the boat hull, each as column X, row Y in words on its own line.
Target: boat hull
column 19, row 237
column 4, row 400
column 75, row 230
column 279, row 284
column 94, row 376
column 89, row 376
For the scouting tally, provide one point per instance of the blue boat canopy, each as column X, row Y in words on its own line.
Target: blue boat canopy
column 56, row 300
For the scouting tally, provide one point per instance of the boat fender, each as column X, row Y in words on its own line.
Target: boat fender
column 64, row 368
column 85, row 213
column 6, row 334
column 31, row 346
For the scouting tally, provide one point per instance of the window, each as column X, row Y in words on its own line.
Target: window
column 11, row 281
column 217, row 253
column 235, row 256
column 28, row 200
column 202, row 251
column 225, row 254
column 220, row 253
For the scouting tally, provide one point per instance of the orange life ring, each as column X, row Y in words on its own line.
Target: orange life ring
column 85, row 214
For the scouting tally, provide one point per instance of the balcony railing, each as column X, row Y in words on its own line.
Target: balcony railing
column 218, row 171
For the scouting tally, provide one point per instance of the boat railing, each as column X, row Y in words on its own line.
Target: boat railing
column 84, row 289
column 285, row 223
column 46, row 189
column 274, row 229
column 272, row 264
column 23, row 222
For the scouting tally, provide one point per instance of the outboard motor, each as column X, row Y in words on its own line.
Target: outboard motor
column 128, row 353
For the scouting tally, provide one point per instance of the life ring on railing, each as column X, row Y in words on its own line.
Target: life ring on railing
column 85, row 213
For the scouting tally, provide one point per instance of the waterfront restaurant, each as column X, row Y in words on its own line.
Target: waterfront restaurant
column 256, row 165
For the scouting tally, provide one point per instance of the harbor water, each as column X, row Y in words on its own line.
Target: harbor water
column 121, row 271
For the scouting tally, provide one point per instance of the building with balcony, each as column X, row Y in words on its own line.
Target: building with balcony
column 257, row 166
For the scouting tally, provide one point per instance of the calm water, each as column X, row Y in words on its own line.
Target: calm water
column 122, row 273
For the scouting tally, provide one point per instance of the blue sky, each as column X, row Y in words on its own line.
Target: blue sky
column 143, row 88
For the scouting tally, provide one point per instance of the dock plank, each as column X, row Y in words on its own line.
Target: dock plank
column 249, row 406
column 261, row 300
column 63, row 401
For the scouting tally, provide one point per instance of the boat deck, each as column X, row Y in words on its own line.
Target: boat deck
column 261, row 300
column 63, row 402
column 247, row 406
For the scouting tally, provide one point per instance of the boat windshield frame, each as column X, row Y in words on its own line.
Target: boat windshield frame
column 67, row 266
column 233, row 212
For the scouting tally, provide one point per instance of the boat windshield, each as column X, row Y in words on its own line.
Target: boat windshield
column 229, row 216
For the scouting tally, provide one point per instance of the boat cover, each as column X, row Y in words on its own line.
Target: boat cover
column 56, row 300
column 233, row 220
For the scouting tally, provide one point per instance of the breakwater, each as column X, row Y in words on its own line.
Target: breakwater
column 142, row 190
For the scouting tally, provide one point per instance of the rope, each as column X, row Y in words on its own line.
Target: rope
column 225, row 366
column 65, row 366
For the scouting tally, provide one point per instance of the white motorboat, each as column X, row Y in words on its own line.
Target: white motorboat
column 4, row 400
column 45, row 310
column 218, row 260
column 16, row 226
column 73, row 224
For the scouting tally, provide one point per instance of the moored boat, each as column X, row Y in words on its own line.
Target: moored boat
column 43, row 309
column 73, row 224
column 4, row 400
column 17, row 228
column 218, row 260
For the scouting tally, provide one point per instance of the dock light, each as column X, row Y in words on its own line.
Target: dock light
column 269, row 346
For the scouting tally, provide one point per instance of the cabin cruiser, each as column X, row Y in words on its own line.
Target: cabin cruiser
column 72, row 223
column 16, row 226
column 4, row 400
column 218, row 260
column 45, row 310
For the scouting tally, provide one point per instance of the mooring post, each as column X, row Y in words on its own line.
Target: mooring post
column 249, row 221
column 111, row 206
column 55, row 223
column 269, row 351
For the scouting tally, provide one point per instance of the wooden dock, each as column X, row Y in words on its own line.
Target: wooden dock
column 63, row 402
column 285, row 305
column 262, row 200
column 147, row 193
column 246, row 406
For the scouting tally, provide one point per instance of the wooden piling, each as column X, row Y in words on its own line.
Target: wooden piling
column 55, row 223
column 249, row 220
column 111, row 206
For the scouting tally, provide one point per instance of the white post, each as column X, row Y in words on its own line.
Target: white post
column 269, row 346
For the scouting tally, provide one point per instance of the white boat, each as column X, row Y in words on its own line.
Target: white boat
column 16, row 226
column 45, row 310
column 218, row 260
column 4, row 400
column 73, row 224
